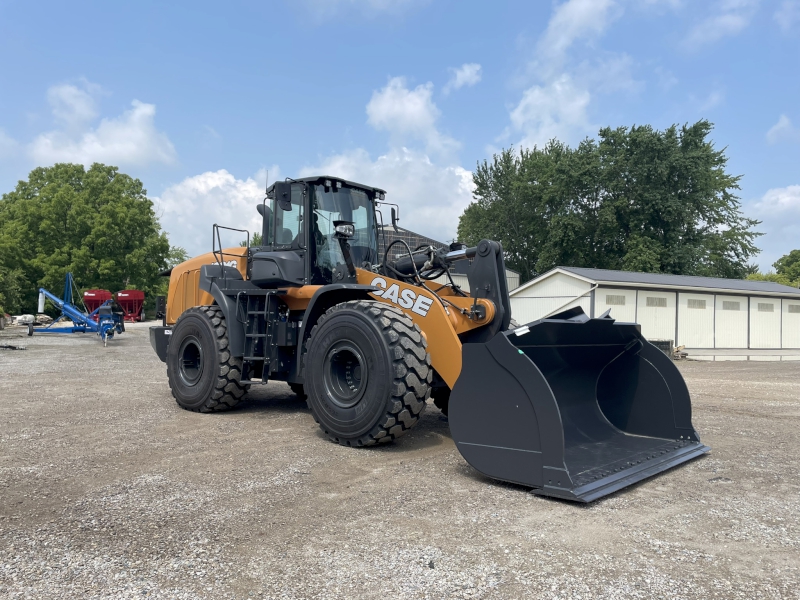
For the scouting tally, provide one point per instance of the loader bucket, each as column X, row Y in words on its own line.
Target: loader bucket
column 576, row 408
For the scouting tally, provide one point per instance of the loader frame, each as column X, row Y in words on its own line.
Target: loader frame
column 574, row 407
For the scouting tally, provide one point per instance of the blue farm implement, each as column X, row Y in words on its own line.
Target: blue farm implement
column 103, row 320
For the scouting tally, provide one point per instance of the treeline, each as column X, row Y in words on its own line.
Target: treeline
column 97, row 223
column 635, row 199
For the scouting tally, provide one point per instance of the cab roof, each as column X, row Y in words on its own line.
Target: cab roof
column 319, row 179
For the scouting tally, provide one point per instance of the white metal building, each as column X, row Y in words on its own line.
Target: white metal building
column 696, row 312
column 459, row 275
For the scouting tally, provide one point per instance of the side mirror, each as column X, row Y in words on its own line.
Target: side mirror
column 394, row 219
column 283, row 194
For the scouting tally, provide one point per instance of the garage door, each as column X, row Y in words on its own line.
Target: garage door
column 621, row 302
column 695, row 320
column 730, row 328
column 791, row 324
column 765, row 322
column 655, row 312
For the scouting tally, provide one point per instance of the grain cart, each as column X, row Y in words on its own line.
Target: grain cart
column 572, row 406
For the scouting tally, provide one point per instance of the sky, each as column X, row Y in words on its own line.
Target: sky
column 204, row 101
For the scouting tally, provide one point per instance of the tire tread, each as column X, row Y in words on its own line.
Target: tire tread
column 411, row 366
column 227, row 390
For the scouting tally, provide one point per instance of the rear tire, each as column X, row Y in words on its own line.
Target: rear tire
column 203, row 376
column 367, row 373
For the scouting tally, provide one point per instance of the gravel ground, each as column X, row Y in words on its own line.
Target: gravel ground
column 109, row 490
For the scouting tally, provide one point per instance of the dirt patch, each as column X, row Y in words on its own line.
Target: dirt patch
column 111, row 491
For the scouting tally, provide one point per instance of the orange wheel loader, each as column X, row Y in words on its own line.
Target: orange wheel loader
column 571, row 406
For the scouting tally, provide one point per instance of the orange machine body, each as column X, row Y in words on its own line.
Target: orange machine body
column 440, row 313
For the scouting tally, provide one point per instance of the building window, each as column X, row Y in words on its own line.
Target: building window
column 794, row 308
column 615, row 300
column 701, row 304
column 731, row 305
column 766, row 307
column 656, row 302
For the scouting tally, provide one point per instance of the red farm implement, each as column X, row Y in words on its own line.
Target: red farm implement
column 93, row 299
column 131, row 302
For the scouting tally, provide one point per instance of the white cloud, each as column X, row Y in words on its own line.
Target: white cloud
column 779, row 211
column 788, row 15
column 431, row 196
column 421, row 176
column 558, row 109
column 730, row 17
column 408, row 115
column 780, row 200
column 130, row 139
column 467, row 74
column 189, row 209
column 607, row 73
column 557, row 105
column 571, row 21
column 714, row 99
column 783, row 130
column 72, row 106
column 8, row 145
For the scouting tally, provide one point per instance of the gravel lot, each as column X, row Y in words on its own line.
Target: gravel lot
column 109, row 490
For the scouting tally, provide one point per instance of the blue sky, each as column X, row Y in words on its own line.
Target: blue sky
column 199, row 100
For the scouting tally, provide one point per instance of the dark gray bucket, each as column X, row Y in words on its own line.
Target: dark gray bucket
column 576, row 408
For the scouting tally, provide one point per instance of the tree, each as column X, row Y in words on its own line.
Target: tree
column 97, row 223
column 254, row 241
column 638, row 199
column 787, row 269
column 788, row 265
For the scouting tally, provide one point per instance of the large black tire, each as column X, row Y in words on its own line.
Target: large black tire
column 367, row 373
column 203, row 376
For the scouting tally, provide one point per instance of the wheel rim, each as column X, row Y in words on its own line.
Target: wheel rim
column 345, row 374
column 191, row 361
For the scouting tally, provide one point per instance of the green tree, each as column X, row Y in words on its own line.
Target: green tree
column 636, row 199
column 10, row 289
column 774, row 278
column 787, row 271
column 254, row 241
column 788, row 265
column 97, row 223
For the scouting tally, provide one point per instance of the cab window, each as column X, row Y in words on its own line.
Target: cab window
column 289, row 223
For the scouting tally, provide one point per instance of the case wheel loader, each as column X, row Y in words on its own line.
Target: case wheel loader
column 571, row 406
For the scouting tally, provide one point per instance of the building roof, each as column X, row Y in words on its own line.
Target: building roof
column 661, row 280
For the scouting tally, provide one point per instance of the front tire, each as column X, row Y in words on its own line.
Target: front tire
column 203, row 376
column 367, row 373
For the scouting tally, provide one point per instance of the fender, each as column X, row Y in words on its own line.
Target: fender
column 322, row 300
column 210, row 278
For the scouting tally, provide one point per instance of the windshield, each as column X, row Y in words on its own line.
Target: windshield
column 345, row 204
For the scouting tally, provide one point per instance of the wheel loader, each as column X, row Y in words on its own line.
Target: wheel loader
column 570, row 406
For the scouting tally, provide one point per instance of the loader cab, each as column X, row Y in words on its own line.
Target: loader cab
column 299, row 245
